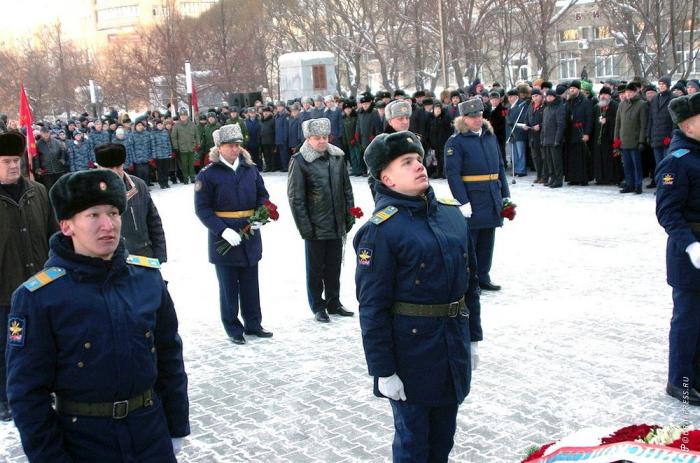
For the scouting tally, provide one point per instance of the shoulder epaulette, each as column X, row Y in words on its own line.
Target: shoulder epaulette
column 680, row 153
column 142, row 261
column 383, row 215
column 449, row 201
column 44, row 277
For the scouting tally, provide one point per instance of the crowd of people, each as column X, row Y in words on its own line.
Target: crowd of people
column 562, row 133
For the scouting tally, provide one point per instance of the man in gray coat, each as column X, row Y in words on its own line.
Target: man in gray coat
column 320, row 196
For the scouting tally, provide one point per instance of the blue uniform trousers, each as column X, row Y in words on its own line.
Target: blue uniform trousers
column 632, row 165
column 423, row 434
column 323, row 260
column 684, row 339
column 4, row 313
column 660, row 153
column 484, row 240
column 284, row 156
column 239, row 283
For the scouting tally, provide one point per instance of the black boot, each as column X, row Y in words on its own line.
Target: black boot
column 5, row 412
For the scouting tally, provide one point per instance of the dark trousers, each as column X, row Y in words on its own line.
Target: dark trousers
column 323, row 259
column 554, row 158
column 484, row 240
column 4, row 313
column 49, row 179
column 142, row 172
column 268, row 153
column 163, row 167
column 632, row 165
column 239, row 284
column 284, row 157
column 659, row 153
column 255, row 155
column 684, row 339
column 423, row 433
column 537, row 154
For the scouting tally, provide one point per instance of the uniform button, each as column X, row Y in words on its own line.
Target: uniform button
column 81, row 364
column 74, row 419
column 464, row 255
column 414, row 331
column 153, row 350
column 422, row 265
column 87, row 345
column 417, row 282
column 148, row 334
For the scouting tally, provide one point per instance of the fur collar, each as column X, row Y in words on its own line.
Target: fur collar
column 461, row 127
column 310, row 155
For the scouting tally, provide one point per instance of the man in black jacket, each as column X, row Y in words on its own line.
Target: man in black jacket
column 50, row 162
column 142, row 228
column 320, row 196
column 552, row 138
column 659, row 125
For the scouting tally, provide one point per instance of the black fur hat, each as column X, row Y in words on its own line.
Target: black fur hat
column 12, row 144
column 81, row 190
column 110, row 155
column 388, row 146
column 684, row 107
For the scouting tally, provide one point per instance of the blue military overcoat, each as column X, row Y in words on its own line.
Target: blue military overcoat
column 474, row 155
column 105, row 331
column 219, row 189
column 421, row 254
column 677, row 206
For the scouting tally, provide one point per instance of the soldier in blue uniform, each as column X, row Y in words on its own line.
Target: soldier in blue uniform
column 227, row 193
column 419, row 300
column 678, row 211
column 477, row 178
column 98, row 329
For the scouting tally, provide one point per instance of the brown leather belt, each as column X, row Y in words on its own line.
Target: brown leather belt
column 428, row 310
column 116, row 410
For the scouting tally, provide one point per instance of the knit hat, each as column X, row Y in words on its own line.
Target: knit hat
column 12, row 144
column 316, row 127
column 388, row 146
column 110, row 155
column 81, row 190
column 666, row 80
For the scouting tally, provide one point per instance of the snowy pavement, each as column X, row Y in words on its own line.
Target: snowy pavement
column 576, row 338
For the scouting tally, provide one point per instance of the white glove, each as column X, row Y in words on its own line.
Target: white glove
column 256, row 225
column 392, row 387
column 474, row 354
column 466, row 209
column 177, row 444
column 232, row 236
column 694, row 252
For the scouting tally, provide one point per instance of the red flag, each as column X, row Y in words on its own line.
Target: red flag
column 195, row 103
column 25, row 120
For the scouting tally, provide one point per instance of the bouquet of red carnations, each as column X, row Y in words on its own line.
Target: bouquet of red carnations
column 508, row 210
column 261, row 216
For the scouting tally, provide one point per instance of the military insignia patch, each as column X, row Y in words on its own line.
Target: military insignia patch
column 197, row 185
column 364, row 257
column 680, row 153
column 16, row 331
column 43, row 278
column 449, row 201
column 450, row 151
column 404, row 109
column 143, row 261
column 667, row 179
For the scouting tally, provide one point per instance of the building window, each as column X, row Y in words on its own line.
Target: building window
column 519, row 69
column 319, row 76
column 568, row 35
column 568, row 64
column 120, row 12
column 689, row 59
column 602, row 32
column 606, row 64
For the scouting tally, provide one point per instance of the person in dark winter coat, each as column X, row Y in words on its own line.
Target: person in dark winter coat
column 282, row 135
column 497, row 119
column 320, row 197
column 607, row 163
column 552, row 138
column 99, row 136
column 516, row 137
column 350, row 142
column 96, row 329
column 419, row 300
column 477, row 179
column 660, row 126
column 366, row 123
column 26, row 223
column 439, row 131
column 533, row 121
column 579, row 130
column 50, row 162
column 295, row 138
column 334, row 114
column 267, row 139
column 227, row 193
column 252, row 124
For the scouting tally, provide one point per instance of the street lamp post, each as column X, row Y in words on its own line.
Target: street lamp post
column 188, row 86
column 93, row 97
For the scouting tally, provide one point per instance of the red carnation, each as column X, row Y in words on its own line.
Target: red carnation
column 508, row 210
column 538, row 453
column 578, row 125
column 356, row 212
column 667, row 141
column 617, row 143
column 629, row 434
column 504, row 112
column 688, row 441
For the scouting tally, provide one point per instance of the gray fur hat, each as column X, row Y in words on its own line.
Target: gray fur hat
column 472, row 107
column 397, row 108
column 228, row 134
column 316, row 127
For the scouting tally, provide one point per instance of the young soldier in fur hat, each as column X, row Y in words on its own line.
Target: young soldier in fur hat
column 419, row 301
column 97, row 329
column 320, row 196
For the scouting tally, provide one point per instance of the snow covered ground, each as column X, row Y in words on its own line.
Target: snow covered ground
column 576, row 338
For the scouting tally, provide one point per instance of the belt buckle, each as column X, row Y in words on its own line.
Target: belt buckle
column 453, row 309
column 120, row 409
